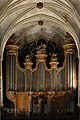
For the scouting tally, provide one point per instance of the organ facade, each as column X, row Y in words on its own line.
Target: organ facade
column 46, row 90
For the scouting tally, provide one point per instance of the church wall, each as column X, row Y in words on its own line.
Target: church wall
column 0, row 82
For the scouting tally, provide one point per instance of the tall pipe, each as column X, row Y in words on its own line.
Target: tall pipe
column 11, row 55
column 70, row 56
column 54, row 75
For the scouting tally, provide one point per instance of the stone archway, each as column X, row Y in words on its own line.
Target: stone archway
column 18, row 24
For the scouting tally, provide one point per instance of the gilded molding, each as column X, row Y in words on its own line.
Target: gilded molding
column 11, row 95
column 41, row 53
column 12, row 49
column 69, row 48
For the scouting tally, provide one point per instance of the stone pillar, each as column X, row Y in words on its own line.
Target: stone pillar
column 79, row 82
column 1, row 83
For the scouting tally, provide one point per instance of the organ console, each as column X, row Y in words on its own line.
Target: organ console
column 42, row 89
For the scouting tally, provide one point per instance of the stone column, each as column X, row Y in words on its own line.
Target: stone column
column 1, row 82
column 79, row 82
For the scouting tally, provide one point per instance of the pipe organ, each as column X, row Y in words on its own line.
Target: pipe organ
column 39, row 90
column 70, row 55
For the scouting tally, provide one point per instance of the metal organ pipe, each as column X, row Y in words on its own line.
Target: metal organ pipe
column 41, row 59
column 41, row 76
column 71, row 71
column 74, row 71
column 28, row 76
column 70, row 55
column 28, row 80
column 13, row 78
column 9, row 71
column 20, row 80
column 13, row 70
column 34, row 81
column 11, row 53
column 54, row 76
column 47, row 80
column 61, row 78
column 68, row 72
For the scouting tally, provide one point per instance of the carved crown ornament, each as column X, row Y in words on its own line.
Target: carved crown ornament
column 28, row 63
column 41, row 53
column 54, row 61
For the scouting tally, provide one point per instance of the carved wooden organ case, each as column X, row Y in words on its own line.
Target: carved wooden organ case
column 41, row 89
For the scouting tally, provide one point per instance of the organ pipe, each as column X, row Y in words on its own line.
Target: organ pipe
column 70, row 55
column 41, row 59
column 61, row 78
column 28, row 76
column 34, row 81
column 11, row 53
column 41, row 76
column 47, row 80
column 20, row 80
column 54, row 63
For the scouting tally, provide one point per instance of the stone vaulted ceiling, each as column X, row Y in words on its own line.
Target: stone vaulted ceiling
column 24, row 21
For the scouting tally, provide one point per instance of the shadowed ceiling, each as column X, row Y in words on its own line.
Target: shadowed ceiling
column 24, row 21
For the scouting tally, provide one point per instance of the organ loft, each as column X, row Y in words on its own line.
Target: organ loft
column 44, row 83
